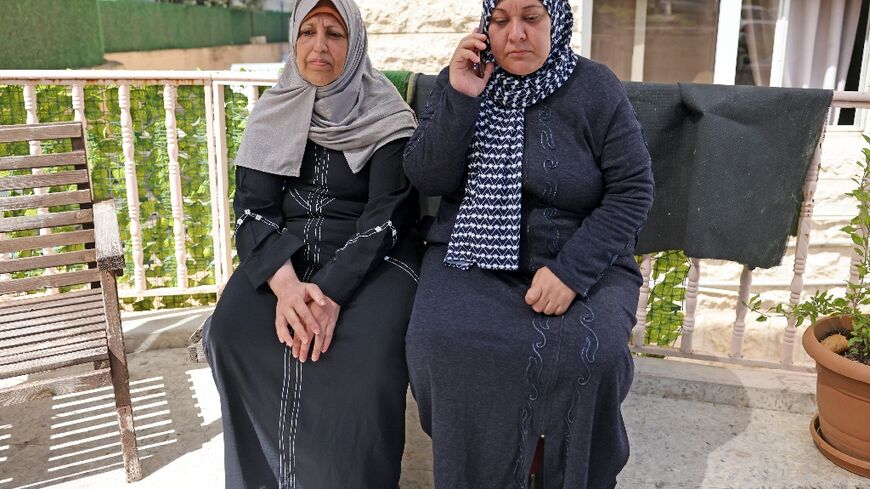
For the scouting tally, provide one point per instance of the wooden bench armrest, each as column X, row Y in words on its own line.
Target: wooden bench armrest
column 110, row 252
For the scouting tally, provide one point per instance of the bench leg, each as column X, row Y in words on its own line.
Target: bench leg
column 120, row 378
column 129, row 450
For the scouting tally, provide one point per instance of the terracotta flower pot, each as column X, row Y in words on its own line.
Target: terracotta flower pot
column 842, row 431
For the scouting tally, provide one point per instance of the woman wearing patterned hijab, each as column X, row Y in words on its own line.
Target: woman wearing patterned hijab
column 529, row 286
column 307, row 341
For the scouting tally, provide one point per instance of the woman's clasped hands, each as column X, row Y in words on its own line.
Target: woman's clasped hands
column 305, row 309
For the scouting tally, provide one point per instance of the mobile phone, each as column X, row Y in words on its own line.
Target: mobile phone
column 479, row 68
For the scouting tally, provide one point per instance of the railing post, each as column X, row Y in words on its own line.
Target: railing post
column 688, row 329
column 801, row 248
column 639, row 331
column 219, row 274
column 175, row 194
column 222, row 184
column 739, row 329
column 132, row 184
column 30, row 106
column 253, row 94
column 78, row 105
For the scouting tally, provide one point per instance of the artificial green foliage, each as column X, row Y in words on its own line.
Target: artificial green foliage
column 50, row 34
column 667, row 293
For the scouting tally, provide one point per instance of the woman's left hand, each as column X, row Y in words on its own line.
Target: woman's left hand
column 327, row 316
column 548, row 294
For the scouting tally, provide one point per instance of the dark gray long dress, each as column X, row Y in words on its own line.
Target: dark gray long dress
column 489, row 374
column 337, row 423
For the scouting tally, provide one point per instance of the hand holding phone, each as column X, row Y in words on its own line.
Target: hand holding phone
column 469, row 72
column 479, row 68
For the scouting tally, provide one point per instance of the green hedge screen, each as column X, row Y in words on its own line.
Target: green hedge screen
column 134, row 26
column 50, row 34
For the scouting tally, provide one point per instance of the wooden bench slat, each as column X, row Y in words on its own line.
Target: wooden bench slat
column 50, row 344
column 49, row 261
column 40, row 132
column 59, row 361
column 74, row 158
column 66, row 218
column 83, row 236
column 45, row 200
column 37, row 301
column 38, row 307
column 39, row 389
column 86, row 311
column 49, row 281
column 49, row 315
column 13, row 333
column 50, row 338
column 36, row 354
column 18, row 182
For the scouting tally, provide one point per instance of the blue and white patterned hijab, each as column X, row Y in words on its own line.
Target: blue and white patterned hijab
column 487, row 228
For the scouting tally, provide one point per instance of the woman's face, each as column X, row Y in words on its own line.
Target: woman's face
column 321, row 49
column 519, row 35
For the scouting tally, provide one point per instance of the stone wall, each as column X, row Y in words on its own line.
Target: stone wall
column 405, row 35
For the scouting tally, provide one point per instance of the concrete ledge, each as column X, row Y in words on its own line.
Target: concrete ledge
column 162, row 329
column 749, row 387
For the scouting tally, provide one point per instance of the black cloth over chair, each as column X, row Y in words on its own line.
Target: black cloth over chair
column 729, row 165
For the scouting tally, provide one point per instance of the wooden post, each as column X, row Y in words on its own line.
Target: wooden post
column 802, row 249
column 132, row 184
column 178, row 233
column 740, row 320
column 639, row 331
column 691, row 305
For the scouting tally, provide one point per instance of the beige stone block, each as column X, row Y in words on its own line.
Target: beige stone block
column 840, row 151
column 424, row 53
column 439, row 16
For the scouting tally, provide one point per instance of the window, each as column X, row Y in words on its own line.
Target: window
column 662, row 41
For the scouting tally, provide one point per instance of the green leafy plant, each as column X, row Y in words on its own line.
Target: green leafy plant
column 854, row 301
column 667, row 293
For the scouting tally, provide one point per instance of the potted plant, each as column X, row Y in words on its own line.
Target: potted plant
column 838, row 339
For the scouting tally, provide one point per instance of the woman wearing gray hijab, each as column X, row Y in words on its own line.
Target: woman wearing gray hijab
column 306, row 343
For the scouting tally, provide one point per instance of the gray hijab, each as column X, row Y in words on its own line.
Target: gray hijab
column 356, row 114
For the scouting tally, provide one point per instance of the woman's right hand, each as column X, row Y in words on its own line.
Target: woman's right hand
column 292, row 309
column 463, row 79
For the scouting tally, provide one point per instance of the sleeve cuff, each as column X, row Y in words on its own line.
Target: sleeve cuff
column 337, row 283
column 460, row 104
column 264, row 262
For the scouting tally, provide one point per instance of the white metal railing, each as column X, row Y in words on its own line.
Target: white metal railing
column 213, row 84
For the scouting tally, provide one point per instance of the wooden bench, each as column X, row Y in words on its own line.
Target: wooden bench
column 65, row 311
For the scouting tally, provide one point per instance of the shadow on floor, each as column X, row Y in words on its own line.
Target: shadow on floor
column 673, row 436
column 50, row 441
